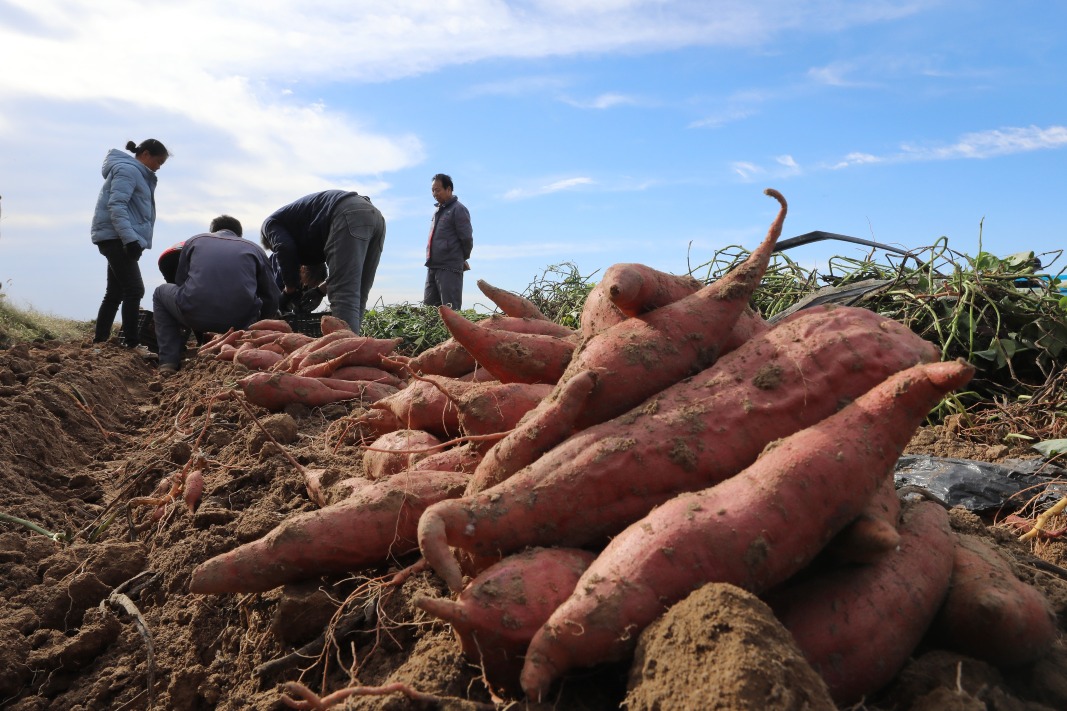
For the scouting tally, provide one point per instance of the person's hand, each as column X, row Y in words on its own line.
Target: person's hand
column 133, row 250
column 285, row 304
column 466, row 266
column 309, row 300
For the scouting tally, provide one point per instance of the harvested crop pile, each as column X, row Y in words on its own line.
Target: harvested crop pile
column 103, row 534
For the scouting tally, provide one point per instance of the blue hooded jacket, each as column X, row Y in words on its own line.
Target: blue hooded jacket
column 126, row 207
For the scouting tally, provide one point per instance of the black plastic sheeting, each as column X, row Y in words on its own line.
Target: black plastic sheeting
column 982, row 486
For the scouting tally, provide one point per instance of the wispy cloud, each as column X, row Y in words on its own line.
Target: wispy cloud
column 784, row 167
column 605, row 101
column 977, row 145
column 547, row 189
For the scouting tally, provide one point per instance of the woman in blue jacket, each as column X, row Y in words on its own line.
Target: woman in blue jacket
column 122, row 228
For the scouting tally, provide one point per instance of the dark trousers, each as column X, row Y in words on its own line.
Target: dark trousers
column 443, row 286
column 124, row 287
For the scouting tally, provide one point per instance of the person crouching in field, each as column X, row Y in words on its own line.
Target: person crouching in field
column 223, row 281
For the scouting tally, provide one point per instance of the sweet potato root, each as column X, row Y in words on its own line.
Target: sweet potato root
column 463, row 458
column 638, row 357
column 857, row 625
column 511, row 357
column 688, row 437
column 510, row 303
column 376, row 522
column 448, row 358
column 490, row 407
column 637, row 289
column 256, row 358
column 395, row 452
column 419, row 406
column 526, row 325
column 549, row 423
column 989, row 613
column 496, row 616
column 366, row 372
column 874, row 532
column 276, row 390
column 754, row 530
column 271, row 324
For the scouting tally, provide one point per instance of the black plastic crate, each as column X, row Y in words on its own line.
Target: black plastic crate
column 146, row 331
column 308, row 324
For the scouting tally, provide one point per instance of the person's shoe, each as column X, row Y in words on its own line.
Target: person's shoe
column 166, row 370
column 144, row 352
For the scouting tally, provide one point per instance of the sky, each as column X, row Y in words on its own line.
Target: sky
column 580, row 133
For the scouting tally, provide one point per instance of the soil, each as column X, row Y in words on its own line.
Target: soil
column 98, row 615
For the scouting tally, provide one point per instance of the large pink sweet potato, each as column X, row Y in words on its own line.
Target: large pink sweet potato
column 857, row 625
column 686, row 438
column 496, row 616
column 754, row 530
column 990, row 614
column 375, row 523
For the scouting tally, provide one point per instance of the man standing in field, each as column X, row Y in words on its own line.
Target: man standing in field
column 222, row 281
column 448, row 248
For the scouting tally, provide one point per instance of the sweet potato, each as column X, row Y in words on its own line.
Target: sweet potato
column 753, row 530
column 395, row 452
column 510, row 303
column 291, row 341
column 193, row 488
column 548, row 424
column 599, row 313
column 511, row 357
column 464, row 458
column 874, row 532
column 356, row 350
column 419, row 406
column 256, row 358
column 448, row 358
column 690, row 436
column 331, row 324
column 276, row 390
column 366, row 529
column 640, row 356
column 272, row 324
column 496, row 616
column 292, row 362
column 637, row 289
column 367, row 391
column 858, row 625
column 367, row 372
column 526, row 325
column 213, row 345
column 488, row 408
column 989, row 613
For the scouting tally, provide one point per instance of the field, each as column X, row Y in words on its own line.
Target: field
column 96, row 613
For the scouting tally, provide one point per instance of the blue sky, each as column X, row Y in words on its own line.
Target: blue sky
column 590, row 132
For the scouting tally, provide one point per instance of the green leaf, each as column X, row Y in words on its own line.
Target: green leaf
column 1051, row 447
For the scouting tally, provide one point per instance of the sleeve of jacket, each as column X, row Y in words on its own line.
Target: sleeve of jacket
column 464, row 230
column 123, row 184
column 266, row 288
column 282, row 243
column 184, row 256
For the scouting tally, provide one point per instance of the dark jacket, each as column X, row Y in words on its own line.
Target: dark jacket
column 453, row 236
column 297, row 232
column 225, row 279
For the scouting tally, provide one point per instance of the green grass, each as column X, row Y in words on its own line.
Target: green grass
column 18, row 324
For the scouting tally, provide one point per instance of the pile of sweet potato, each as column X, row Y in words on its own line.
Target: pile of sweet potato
column 569, row 487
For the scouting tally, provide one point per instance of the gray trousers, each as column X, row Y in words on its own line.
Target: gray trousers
column 171, row 323
column 353, row 250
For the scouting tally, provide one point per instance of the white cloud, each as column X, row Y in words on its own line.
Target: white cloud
column 605, row 101
column 553, row 187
